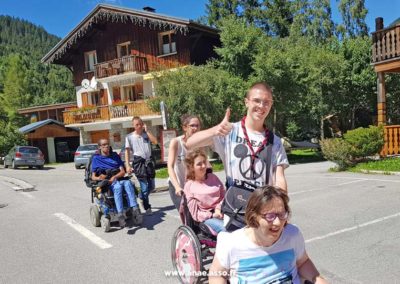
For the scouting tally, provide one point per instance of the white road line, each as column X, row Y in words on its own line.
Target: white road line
column 342, row 177
column 27, row 194
column 353, row 228
column 83, row 231
column 324, row 187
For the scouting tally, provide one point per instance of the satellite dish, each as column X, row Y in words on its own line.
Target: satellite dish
column 93, row 83
column 85, row 83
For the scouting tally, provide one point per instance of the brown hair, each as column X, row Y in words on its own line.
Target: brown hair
column 261, row 197
column 189, row 161
column 259, row 85
column 185, row 119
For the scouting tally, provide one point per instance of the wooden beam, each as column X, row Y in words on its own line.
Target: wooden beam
column 381, row 98
column 393, row 66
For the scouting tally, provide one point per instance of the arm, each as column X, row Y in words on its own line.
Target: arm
column 205, row 137
column 172, row 151
column 216, row 271
column 152, row 138
column 308, row 271
column 120, row 174
column 193, row 206
column 280, row 179
column 127, row 156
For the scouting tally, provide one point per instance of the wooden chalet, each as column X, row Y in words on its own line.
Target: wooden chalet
column 114, row 54
column 386, row 59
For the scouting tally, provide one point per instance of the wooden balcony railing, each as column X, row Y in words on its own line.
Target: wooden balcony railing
column 386, row 44
column 392, row 140
column 105, row 113
column 130, row 63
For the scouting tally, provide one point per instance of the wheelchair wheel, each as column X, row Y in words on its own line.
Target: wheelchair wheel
column 186, row 255
column 105, row 223
column 95, row 216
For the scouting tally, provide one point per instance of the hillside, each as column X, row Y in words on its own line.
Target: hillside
column 24, row 80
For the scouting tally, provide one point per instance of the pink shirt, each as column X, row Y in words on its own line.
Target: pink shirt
column 203, row 197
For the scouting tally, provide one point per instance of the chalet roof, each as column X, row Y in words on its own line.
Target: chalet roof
column 46, row 107
column 33, row 126
column 118, row 14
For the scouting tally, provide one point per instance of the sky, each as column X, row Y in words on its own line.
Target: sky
column 59, row 17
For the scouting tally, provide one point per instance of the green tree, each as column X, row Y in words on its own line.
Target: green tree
column 219, row 9
column 203, row 90
column 240, row 43
column 353, row 14
column 9, row 136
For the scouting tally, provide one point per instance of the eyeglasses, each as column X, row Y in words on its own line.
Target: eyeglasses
column 261, row 103
column 194, row 125
column 270, row 217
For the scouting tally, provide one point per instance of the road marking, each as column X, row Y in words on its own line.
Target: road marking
column 324, row 188
column 27, row 195
column 353, row 228
column 83, row 231
column 346, row 177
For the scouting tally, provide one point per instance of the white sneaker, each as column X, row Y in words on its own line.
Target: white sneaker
column 140, row 203
column 149, row 211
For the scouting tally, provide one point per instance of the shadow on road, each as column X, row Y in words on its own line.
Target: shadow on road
column 149, row 221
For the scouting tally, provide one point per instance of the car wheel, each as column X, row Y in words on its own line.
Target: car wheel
column 14, row 166
column 30, row 167
column 5, row 165
column 40, row 167
column 77, row 167
column 105, row 223
column 95, row 216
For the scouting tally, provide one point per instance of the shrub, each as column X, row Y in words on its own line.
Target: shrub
column 338, row 151
column 365, row 142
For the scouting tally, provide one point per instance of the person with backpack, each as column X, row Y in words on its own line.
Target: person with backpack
column 268, row 249
column 204, row 191
column 252, row 154
column 139, row 142
column 108, row 165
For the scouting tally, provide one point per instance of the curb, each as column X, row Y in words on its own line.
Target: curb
column 380, row 172
column 160, row 189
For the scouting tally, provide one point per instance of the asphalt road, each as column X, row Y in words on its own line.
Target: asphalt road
column 351, row 223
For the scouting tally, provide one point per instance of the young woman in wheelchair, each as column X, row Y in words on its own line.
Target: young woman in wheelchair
column 204, row 191
column 268, row 249
column 108, row 166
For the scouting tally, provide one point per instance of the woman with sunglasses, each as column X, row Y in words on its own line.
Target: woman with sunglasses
column 176, row 158
column 268, row 249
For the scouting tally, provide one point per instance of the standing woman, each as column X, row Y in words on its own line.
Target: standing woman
column 176, row 157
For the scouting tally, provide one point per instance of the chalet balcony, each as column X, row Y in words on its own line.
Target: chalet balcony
column 392, row 140
column 105, row 113
column 130, row 63
column 386, row 45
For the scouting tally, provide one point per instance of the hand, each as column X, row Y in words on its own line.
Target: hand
column 145, row 127
column 129, row 169
column 178, row 191
column 217, row 214
column 111, row 180
column 225, row 126
column 102, row 177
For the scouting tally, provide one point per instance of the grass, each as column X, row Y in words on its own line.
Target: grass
column 163, row 171
column 299, row 156
column 385, row 165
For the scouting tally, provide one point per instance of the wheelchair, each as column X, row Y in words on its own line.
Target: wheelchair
column 103, row 210
column 192, row 245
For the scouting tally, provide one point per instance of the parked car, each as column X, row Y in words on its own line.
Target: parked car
column 28, row 156
column 63, row 153
column 155, row 151
column 83, row 153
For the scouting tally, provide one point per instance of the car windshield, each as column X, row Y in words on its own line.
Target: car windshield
column 87, row 148
column 28, row 150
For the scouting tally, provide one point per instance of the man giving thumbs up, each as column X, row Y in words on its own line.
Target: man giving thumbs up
column 251, row 153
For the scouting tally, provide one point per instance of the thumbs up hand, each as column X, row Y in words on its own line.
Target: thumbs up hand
column 225, row 126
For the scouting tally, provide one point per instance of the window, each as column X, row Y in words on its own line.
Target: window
column 90, row 60
column 167, row 42
column 134, row 92
column 123, row 49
